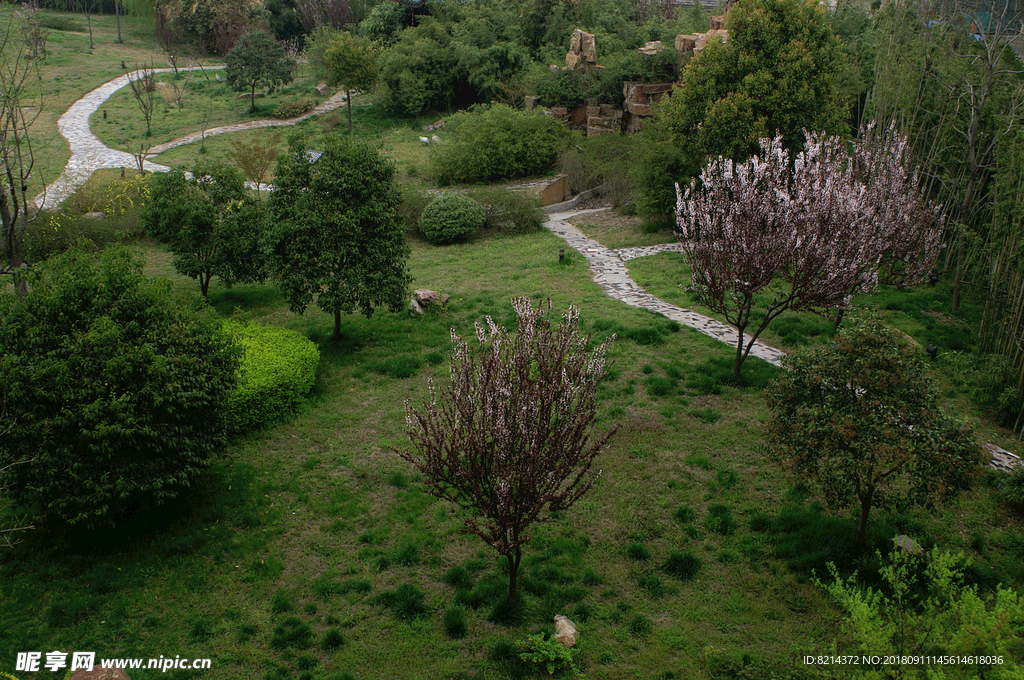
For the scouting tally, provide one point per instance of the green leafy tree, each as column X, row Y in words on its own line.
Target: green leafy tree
column 210, row 223
column 924, row 608
column 257, row 60
column 117, row 389
column 337, row 234
column 351, row 63
column 781, row 70
column 861, row 418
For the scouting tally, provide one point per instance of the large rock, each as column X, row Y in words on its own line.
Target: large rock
column 555, row 190
column 565, row 631
column 582, row 49
column 414, row 308
column 98, row 673
column 322, row 90
column 652, row 48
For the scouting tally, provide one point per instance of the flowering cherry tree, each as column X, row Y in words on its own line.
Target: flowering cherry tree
column 509, row 437
column 807, row 235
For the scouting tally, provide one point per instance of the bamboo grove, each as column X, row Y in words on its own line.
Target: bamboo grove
column 950, row 76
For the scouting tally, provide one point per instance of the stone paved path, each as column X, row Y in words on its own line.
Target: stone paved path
column 611, row 274
column 89, row 154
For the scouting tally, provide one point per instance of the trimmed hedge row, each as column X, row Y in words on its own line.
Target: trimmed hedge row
column 277, row 371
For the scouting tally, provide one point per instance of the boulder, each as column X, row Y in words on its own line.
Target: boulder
column 530, row 102
column 588, row 47
column 98, row 673
column 425, row 296
column 571, row 59
column 555, row 191
column 94, row 215
column 321, row 89
column 578, row 116
column 907, row 545
column 414, row 308
column 718, row 23
column 652, row 48
column 565, row 631
column 559, row 112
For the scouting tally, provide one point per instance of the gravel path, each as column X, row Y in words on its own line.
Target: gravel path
column 89, row 154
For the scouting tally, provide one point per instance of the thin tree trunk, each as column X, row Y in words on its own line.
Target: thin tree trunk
column 865, row 508
column 513, row 576
column 117, row 13
column 348, row 103
column 337, row 324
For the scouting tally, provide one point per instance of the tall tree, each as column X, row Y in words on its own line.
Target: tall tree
column 768, row 235
column 781, row 70
column 336, row 233
column 351, row 63
column 19, row 82
column 860, row 418
column 210, row 223
column 509, row 437
column 257, row 60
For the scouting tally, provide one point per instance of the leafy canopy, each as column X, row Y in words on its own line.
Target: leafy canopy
column 257, row 60
column 780, row 70
column 336, row 233
column 210, row 223
column 116, row 389
column 860, row 418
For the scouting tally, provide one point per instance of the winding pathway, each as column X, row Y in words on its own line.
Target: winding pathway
column 89, row 154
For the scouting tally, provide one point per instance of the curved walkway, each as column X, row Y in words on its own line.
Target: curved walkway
column 89, row 154
column 611, row 274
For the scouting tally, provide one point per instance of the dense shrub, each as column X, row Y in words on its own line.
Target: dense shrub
column 119, row 200
column 294, row 108
column 656, row 166
column 507, row 211
column 497, row 142
column 59, row 23
column 451, row 217
column 116, row 390
column 277, row 371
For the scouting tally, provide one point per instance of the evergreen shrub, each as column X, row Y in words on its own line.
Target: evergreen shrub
column 294, row 108
column 277, row 371
column 450, row 218
column 497, row 142
column 114, row 389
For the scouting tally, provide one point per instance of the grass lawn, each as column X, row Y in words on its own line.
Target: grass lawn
column 309, row 551
column 280, row 562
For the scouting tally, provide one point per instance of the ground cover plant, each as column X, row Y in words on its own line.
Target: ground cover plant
column 304, row 546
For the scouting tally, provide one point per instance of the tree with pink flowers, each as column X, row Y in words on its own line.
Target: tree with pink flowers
column 509, row 437
column 807, row 235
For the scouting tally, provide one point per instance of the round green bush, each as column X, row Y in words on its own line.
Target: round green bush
column 451, row 217
column 277, row 371
column 114, row 389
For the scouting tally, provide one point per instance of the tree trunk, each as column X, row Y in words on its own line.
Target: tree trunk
column 117, row 13
column 337, row 324
column 348, row 105
column 739, row 355
column 513, row 576
column 839, row 319
column 204, row 285
column 252, row 99
column 865, row 508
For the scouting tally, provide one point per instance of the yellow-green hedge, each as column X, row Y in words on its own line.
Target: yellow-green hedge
column 277, row 371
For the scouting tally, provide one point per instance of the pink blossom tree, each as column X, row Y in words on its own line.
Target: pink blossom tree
column 509, row 437
column 807, row 236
